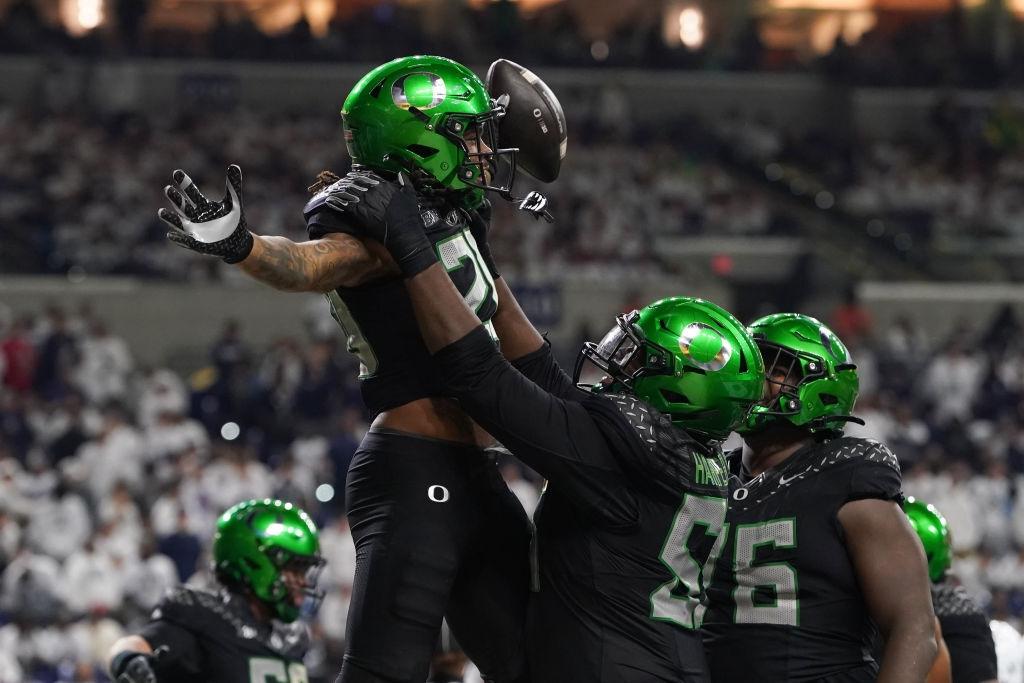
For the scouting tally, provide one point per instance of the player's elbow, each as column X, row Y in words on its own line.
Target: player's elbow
column 130, row 643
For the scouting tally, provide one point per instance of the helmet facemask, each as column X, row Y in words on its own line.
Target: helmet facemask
column 624, row 355
column 485, row 165
column 492, row 170
column 786, row 370
column 286, row 585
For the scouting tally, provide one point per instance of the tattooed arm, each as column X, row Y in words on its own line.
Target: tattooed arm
column 320, row 265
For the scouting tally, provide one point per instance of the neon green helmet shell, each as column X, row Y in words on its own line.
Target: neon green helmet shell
column 931, row 528
column 687, row 358
column 414, row 114
column 813, row 371
column 256, row 540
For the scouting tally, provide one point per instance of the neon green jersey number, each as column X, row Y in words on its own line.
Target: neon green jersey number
column 678, row 600
column 266, row 670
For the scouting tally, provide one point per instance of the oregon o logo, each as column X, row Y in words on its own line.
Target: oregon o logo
column 421, row 90
column 736, row 494
column 438, row 493
column 704, row 347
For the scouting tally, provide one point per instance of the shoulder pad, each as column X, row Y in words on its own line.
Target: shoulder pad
column 317, row 201
column 667, row 457
column 953, row 601
column 197, row 609
column 848, row 449
column 290, row 640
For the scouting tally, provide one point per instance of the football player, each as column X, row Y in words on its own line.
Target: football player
column 636, row 488
column 965, row 628
column 266, row 557
column 816, row 549
column 436, row 530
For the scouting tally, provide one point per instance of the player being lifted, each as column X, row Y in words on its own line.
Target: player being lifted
column 816, row 547
column 266, row 557
column 965, row 627
column 437, row 531
column 636, row 480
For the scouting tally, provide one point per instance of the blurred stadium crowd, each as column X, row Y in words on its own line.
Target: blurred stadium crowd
column 111, row 474
column 79, row 217
column 954, row 184
column 979, row 47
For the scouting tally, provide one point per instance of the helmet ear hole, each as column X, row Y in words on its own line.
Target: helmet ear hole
column 673, row 396
column 422, row 151
column 828, row 399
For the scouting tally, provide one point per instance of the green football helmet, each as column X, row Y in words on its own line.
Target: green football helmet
column 256, row 542
column 414, row 114
column 688, row 358
column 931, row 528
column 812, row 369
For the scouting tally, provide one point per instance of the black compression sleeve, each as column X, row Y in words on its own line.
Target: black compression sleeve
column 558, row 438
column 541, row 368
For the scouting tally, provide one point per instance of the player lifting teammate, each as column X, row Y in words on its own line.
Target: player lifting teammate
column 437, row 531
column 816, row 549
column 266, row 557
column 636, row 481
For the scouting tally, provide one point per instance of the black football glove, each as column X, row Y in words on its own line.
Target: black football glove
column 215, row 228
column 387, row 212
column 479, row 224
column 134, row 667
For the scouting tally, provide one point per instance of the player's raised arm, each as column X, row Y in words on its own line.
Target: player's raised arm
column 220, row 229
column 895, row 585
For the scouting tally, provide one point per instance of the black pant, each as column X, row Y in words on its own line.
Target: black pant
column 437, row 534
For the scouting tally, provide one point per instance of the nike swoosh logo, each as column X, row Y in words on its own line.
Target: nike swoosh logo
column 785, row 480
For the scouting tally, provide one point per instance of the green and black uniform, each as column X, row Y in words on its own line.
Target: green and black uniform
column 437, row 532
column 631, row 511
column 784, row 603
column 214, row 637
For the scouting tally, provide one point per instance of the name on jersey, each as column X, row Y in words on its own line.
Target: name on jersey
column 708, row 472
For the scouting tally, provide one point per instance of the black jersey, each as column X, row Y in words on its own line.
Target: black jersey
column 972, row 652
column 377, row 317
column 213, row 637
column 784, row 603
column 632, row 508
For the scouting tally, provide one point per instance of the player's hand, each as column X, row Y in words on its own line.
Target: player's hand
column 388, row 212
column 138, row 669
column 479, row 226
column 215, row 228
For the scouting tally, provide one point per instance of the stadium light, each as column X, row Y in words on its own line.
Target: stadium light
column 325, row 493
column 229, row 431
column 691, row 27
column 81, row 16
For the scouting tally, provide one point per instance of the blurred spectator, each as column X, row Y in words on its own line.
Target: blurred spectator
column 19, row 356
column 851, row 321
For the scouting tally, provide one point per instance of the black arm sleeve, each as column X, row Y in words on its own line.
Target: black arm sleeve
column 558, row 438
column 972, row 652
column 183, row 659
column 541, row 368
